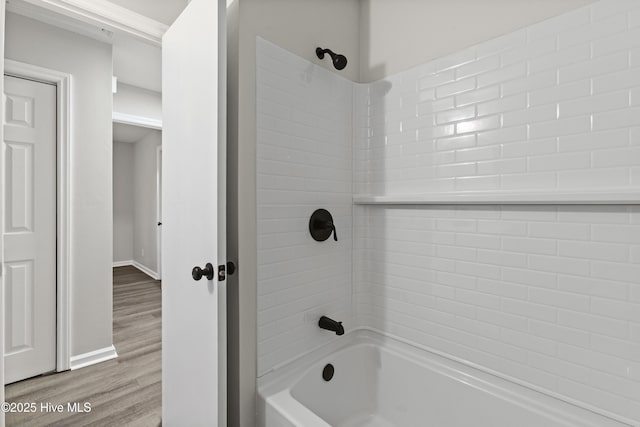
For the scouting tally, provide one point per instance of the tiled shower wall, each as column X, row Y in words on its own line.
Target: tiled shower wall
column 552, row 106
column 304, row 162
column 548, row 295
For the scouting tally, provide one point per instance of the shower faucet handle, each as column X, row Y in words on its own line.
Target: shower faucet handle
column 321, row 226
column 333, row 230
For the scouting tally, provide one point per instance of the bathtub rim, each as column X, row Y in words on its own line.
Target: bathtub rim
column 283, row 378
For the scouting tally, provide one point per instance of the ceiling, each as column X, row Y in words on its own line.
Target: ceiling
column 128, row 133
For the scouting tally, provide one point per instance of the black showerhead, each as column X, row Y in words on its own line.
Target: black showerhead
column 339, row 61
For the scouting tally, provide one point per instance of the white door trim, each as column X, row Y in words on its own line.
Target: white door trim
column 63, row 227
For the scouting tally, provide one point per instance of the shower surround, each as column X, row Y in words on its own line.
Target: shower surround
column 544, row 294
column 304, row 162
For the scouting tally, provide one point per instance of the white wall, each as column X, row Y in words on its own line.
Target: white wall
column 137, row 63
column 331, row 23
column 397, row 35
column 135, row 101
column 304, row 163
column 546, row 295
column 145, row 201
column 123, row 190
column 89, row 62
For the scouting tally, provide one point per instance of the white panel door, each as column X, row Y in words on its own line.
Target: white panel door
column 193, row 209
column 29, row 228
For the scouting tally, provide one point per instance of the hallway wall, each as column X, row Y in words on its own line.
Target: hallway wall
column 89, row 61
column 123, row 164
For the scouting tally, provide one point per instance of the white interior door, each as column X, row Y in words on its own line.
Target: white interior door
column 193, row 230
column 29, row 228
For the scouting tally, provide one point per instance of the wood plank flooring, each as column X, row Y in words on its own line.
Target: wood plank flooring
column 123, row 392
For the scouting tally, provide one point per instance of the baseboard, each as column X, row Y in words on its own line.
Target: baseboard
column 136, row 264
column 145, row 270
column 122, row 263
column 93, row 357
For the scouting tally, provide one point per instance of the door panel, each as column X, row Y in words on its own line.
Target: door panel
column 19, row 297
column 20, row 197
column 193, row 203
column 29, row 233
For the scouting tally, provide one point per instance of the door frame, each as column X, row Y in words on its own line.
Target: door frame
column 63, row 83
column 158, row 211
column 2, row 107
column 148, row 123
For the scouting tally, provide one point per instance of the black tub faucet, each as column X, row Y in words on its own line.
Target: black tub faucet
column 331, row 325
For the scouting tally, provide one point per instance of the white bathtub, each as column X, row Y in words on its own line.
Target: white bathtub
column 382, row 382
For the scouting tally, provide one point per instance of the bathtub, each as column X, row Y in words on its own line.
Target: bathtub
column 381, row 382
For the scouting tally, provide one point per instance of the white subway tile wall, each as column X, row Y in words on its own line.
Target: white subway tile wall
column 549, row 295
column 540, row 109
column 304, row 162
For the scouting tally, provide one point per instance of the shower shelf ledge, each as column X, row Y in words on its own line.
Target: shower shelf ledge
column 592, row 197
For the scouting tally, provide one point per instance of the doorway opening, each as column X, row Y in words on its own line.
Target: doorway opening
column 136, row 198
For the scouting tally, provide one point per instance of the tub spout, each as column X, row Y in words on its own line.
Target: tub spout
column 331, row 325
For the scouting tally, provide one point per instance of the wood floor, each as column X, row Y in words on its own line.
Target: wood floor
column 123, row 392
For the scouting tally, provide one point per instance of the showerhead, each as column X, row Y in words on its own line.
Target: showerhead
column 339, row 61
